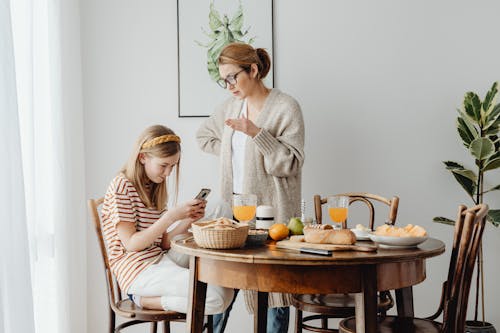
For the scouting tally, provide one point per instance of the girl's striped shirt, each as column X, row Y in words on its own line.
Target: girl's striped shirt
column 123, row 204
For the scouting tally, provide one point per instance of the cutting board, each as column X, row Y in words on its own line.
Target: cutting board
column 288, row 244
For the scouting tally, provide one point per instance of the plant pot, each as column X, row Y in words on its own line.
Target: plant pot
column 472, row 326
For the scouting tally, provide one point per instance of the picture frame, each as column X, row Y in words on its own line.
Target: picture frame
column 198, row 92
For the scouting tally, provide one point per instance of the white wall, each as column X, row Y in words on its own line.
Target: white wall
column 378, row 81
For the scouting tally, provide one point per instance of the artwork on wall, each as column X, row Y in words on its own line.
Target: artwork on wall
column 203, row 29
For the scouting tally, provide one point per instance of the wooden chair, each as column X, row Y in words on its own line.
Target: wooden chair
column 469, row 228
column 124, row 307
column 340, row 305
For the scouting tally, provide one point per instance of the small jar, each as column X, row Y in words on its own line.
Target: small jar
column 264, row 218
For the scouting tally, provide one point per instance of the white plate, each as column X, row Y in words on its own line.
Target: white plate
column 361, row 234
column 397, row 242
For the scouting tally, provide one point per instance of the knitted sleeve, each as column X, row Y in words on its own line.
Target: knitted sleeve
column 284, row 152
column 209, row 135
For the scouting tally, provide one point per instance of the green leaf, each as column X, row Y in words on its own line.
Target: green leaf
column 466, row 173
column 482, row 148
column 452, row 165
column 492, row 130
column 494, row 217
column 443, row 220
column 467, row 105
column 470, row 122
column 494, row 156
column 493, row 117
column 489, row 101
column 466, row 130
column 472, row 106
column 496, row 188
column 492, row 164
column 460, row 170
column 476, row 104
column 468, row 185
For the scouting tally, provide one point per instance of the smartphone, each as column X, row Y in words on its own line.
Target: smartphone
column 203, row 194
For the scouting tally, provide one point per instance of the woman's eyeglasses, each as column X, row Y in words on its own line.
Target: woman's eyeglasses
column 230, row 79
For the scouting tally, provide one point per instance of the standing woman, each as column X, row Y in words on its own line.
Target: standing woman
column 259, row 135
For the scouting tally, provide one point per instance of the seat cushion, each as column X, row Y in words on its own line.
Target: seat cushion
column 392, row 324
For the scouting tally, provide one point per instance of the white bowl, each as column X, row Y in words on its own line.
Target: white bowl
column 397, row 242
column 361, row 234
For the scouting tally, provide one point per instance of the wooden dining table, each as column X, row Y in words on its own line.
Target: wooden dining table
column 271, row 269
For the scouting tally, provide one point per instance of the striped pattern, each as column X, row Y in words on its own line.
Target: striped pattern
column 123, row 204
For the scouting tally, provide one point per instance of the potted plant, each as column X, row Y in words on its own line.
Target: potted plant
column 478, row 126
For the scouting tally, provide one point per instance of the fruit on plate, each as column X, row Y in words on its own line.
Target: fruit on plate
column 296, row 226
column 409, row 231
column 278, row 231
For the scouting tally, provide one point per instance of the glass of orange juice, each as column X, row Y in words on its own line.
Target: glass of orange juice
column 244, row 206
column 337, row 208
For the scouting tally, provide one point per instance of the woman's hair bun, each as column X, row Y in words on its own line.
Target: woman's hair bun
column 265, row 61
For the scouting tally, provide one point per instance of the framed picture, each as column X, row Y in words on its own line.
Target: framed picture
column 203, row 29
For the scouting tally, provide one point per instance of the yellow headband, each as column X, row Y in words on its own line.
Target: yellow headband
column 161, row 139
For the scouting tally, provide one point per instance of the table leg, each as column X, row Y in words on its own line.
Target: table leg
column 404, row 302
column 366, row 302
column 197, row 295
column 260, row 315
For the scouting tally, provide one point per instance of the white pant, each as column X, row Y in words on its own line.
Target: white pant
column 171, row 282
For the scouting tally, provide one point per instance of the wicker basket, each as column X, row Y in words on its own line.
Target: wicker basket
column 205, row 235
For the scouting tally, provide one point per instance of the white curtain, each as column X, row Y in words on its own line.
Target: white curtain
column 16, row 302
column 46, row 42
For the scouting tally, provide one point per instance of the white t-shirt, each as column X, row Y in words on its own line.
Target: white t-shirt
column 238, row 142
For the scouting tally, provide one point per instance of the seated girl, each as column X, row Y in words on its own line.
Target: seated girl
column 135, row 220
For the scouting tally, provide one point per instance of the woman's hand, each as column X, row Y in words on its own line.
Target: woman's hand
column 244, row 125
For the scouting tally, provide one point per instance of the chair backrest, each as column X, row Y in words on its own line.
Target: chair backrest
column 367, row 198
column 114, row 292
column 469, row 227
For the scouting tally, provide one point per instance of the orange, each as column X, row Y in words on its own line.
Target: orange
column 278, row 231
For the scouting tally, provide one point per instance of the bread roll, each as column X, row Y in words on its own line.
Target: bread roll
column 342, row 236
column 316, row 235
column 297, row 238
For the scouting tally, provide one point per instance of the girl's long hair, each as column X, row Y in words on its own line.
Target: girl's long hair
column 153, row 195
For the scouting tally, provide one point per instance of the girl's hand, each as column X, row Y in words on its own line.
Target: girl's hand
column 193, row 210
column 244, row 125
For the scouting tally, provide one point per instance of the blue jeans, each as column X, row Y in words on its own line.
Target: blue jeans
column 277, row 319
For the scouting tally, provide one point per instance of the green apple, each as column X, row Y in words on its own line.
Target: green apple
column 296, row 226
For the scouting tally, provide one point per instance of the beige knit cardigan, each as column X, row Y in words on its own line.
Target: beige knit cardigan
column 273, row 160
